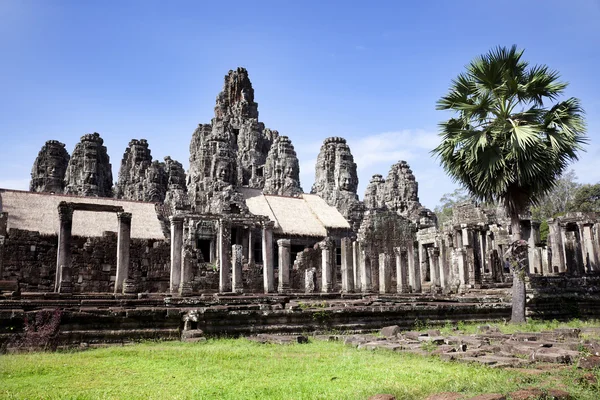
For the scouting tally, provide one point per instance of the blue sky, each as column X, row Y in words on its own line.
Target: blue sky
column 367, row 71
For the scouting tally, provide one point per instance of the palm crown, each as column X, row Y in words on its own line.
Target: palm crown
column 505, row 144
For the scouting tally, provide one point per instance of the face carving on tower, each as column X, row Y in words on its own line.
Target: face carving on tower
column 345, row 180
column 223, row 172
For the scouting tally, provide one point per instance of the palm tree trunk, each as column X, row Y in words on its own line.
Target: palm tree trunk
column 518, row 289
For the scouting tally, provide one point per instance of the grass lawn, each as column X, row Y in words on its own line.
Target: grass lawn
column 240, row 369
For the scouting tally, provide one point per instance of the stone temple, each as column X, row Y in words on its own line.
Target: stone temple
column 235, row 245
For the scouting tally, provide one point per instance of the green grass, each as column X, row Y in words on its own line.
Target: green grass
column 532, row 325
column 240, row 369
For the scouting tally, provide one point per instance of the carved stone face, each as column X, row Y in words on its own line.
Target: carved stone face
column 345, row 180
column 223, row 172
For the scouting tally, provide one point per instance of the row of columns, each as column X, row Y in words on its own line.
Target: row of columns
column 63, row 278
column 229, row 257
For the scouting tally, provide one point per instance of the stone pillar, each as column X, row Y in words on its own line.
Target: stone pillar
column 223, row 248
column 250, row 248
column 267, row 253
column 236, row 278
column 347, row 266
column 402, row 285
column 123, row 245
column 414, row 269
column 443, row 270
column 590, row 256
column 63, row 257
column 564, row 267
column 556, row 244
column 327, row 248
column 356, row 265
column 482, row 247
column 365, row 272
column 185, row 285
column 434, row 265
column 3, row 226
column 245, row 243
column 385, row 277
column 461, row 260
column 212, row 257
column 176, row 248
column 283, row 246
column 422, row 257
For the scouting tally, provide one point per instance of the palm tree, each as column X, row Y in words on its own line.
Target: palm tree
column 507, row 143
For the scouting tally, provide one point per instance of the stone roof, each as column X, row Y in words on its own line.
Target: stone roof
column 39, row 212
column 307, row 215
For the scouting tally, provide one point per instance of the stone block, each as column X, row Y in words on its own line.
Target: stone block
column 589, row 362
column 489, row 396
column 390, row 331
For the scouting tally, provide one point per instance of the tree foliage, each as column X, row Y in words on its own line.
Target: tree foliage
column 443, row 210
column 507, row 142
column 504, row 145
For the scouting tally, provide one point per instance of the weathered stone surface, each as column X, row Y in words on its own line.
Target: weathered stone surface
column 526, row 394
column 375, row 192
column 489, row 396
column 230, row 152
column 390, row 331
column 382, row 397
column 176, row 196
column 282, row 170
column 48, row 171
column 589, row 362
column 401, row 192
column 140, row 178
column 336, row 179
column 89, row 171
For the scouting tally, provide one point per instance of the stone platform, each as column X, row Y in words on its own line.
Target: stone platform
column 108, row 318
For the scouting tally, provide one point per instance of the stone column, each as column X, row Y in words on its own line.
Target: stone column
column 176, row 248
column 237, row 282
column 347, row 266
column 356, row 265
column 212, row 257
column 463, row 273
column 434, row 265
column 327, row 248
column 422, row 257
column 185, row 285
column 250, row 248
column 267, row 253
column 283, row 246
column 245, row 243
column 385, row 277
column 564, row 266
column 444, row 268
column 590, row 256
column 223, row 248
column 365, row 272
column 401, row 270
column 123, row 245
column 3, row 225
column 63, row 257
column 556, row 244
column 414, row 269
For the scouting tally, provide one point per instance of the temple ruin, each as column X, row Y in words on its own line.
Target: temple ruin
column 239, row 224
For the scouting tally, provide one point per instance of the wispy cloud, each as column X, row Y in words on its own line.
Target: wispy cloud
column 375, row 154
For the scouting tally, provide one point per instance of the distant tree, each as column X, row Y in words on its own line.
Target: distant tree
column 559, row 199
column 505, row 145
column 447, row 202
column 586, row 199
